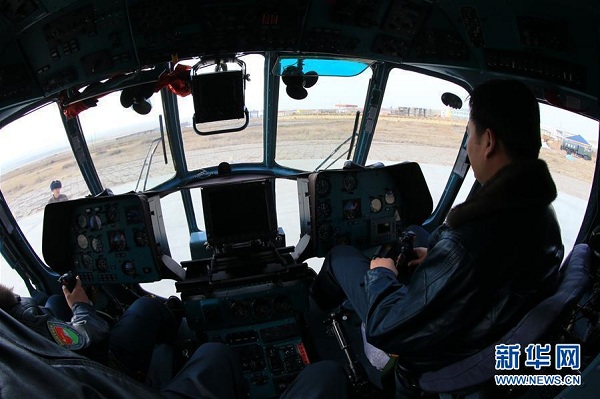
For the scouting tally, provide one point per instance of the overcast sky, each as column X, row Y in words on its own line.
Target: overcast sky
column 42, row 133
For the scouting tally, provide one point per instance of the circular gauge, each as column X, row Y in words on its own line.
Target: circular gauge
column 349, row 182
column 112, row 214
column 82, row 221
column 94, row 222
column 87, row 261
column 140, row 237
column 324, row 231
column 117, row 241
column 375, row 205
column 322, row 186
column 82, row 241
column 390, row 198
column 261, row 308
column 128, row 268
column 239, row 310
column 323, row 210
column 102, row 265
column 352, row 209
column 282, row 304
column 97, row 245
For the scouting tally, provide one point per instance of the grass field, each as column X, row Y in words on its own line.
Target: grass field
column 119, row 161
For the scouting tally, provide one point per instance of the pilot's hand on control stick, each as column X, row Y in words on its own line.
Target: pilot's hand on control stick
column 77, row 295
column 420, row 253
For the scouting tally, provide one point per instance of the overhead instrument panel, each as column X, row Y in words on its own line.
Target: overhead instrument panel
column 78, row 42
column 363, row 207
column 106, row 240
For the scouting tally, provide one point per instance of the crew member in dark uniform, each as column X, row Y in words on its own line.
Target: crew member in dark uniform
column 214, row 370
column 482, row 269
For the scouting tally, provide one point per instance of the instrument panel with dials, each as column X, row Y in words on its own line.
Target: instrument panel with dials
column 363, row 207
column 114, row 239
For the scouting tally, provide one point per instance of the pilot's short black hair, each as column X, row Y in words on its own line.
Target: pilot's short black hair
column 8, row 299
column 510, row 110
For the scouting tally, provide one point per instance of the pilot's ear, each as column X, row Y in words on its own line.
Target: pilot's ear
column 490, row 140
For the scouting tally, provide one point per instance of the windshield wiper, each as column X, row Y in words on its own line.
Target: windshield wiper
column 150, row 154
column 350, row 139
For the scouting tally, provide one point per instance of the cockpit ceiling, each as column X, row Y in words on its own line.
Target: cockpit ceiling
column 47, row 46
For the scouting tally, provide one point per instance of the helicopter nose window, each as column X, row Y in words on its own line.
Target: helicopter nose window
column 319, row 103
column 126, row 145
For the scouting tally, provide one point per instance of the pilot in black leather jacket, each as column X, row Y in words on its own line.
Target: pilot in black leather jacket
column 90, row 327
column 127, row 345
column 495, row 257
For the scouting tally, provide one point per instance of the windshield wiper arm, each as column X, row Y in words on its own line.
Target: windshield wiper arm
column 349, row 151
column 150, row 154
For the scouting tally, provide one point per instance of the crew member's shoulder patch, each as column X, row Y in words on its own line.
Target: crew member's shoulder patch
column 65, row 335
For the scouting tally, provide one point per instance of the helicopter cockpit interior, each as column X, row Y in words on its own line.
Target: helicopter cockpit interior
column 218, row 151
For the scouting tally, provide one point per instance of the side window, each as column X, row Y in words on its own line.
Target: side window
column 570, row 148
column 414, row 125
column 34, row 152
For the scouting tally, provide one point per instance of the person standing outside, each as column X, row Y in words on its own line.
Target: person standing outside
column 55, row 187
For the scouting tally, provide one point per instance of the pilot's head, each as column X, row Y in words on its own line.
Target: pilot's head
column 8, row 298
column 55, row 187
column 504, row 126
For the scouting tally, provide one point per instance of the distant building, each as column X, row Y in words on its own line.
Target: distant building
column 344, row 108
column 578, row 146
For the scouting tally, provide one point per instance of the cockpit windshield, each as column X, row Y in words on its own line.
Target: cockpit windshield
column 318, row 117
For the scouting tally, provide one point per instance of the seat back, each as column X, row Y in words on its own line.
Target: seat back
column 474, row 371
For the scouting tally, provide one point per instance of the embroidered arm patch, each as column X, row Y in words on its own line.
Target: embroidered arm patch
column 65, row 335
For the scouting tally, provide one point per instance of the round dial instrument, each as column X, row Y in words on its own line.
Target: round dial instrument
column 261, row 308
column 82, row 241
column 128, row 268
column 325, row 231
column 87, row 261
column 118, row 242
column 322, row 186
column 102, row 265
column 140, row 238
column 282, row 304
column 97, row 245
column 82, row 221
column 323, row 210
column 349, row 182
column 375, row 205
column 94, row 222
column 112, row 214
column 239, row 310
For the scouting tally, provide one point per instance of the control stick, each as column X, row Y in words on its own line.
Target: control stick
column 401, row 251
column 69, row 280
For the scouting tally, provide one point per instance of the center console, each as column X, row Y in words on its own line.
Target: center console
column 249, row 293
